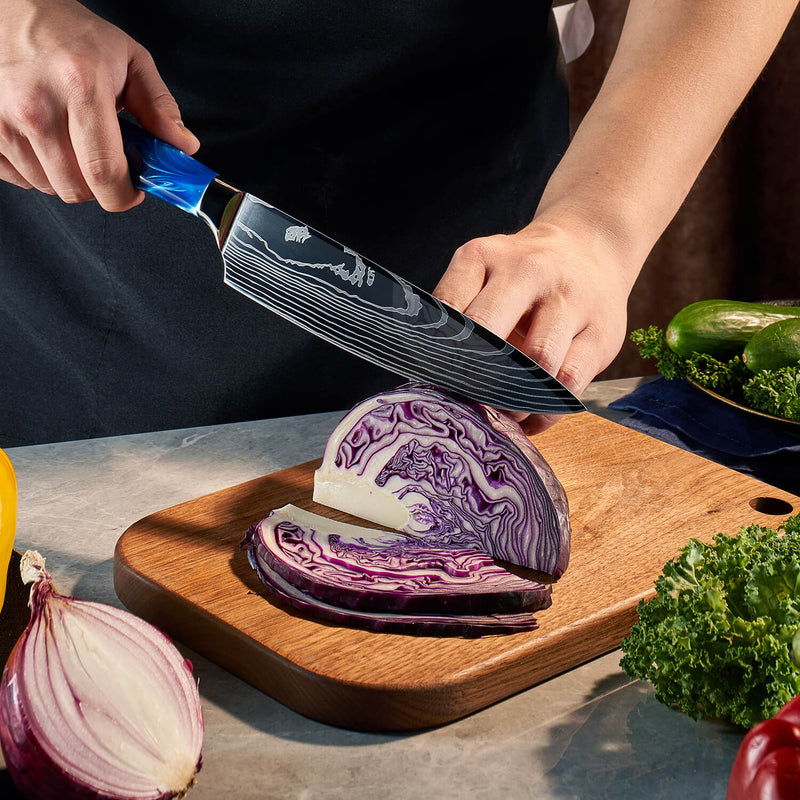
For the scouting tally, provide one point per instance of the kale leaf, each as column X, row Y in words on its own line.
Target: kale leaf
column 721, row 639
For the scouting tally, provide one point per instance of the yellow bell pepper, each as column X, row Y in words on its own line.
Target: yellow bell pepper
column 8, row 518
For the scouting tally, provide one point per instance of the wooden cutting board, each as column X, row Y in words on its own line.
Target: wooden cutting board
column 634, row 503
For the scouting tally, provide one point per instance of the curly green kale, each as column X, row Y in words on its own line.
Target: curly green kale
column 721, row 639
column 776, row 392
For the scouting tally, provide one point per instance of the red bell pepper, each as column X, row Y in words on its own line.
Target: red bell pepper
column 767, row 766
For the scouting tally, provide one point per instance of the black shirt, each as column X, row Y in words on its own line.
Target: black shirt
column 400, row 129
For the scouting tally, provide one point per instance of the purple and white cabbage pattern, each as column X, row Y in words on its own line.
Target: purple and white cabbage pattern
column 466, row 475
column 459, row 485
column 365, row 568
column 443, row 623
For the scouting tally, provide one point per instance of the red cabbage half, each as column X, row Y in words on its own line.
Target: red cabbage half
column 450, row 472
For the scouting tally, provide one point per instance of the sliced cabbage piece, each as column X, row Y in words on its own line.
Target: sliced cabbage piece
column 363, row 568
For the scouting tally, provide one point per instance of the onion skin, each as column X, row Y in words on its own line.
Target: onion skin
column 45, row 772
column 466, row 474
column 8, row 518
column 34, row 773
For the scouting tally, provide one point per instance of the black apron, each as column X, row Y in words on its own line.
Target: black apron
column 400, row 129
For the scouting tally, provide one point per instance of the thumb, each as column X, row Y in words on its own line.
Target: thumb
column 147, row 97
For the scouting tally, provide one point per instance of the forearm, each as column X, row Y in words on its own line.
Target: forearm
column 681, row 69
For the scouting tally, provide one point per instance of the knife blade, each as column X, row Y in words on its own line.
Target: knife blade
column 344, row 298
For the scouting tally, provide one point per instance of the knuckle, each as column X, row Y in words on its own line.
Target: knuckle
column 30, row 113
column 573, row 377
column 449, row 296
column 141, row 59
column 546, row 352
column 78, row 79
column 476, row 250
column 75, row 195
column 100, row 169
column 166, row 103
column 570, row 375
column 484, row 317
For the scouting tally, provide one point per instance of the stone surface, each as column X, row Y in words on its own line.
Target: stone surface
column 590, row 733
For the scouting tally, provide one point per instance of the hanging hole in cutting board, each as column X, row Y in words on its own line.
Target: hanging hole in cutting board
column 771, row 505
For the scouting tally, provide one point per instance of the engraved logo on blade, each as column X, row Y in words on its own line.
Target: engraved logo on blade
column 297, row 233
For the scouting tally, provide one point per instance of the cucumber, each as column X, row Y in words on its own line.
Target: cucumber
column 773, row 347
column 722, row 328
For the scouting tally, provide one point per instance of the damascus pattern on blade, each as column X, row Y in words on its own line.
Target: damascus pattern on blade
column 355, row 304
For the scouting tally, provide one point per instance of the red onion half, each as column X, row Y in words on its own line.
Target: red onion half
column 96, row 703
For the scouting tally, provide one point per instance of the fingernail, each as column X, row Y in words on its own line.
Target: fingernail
column 186, row 132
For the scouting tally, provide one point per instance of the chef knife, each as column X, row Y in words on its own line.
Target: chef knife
column 344, row 298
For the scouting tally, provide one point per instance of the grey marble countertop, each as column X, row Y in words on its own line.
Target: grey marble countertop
column 589, row 733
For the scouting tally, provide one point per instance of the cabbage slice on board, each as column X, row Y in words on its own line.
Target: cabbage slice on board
column 377, row 570
column 444, row 622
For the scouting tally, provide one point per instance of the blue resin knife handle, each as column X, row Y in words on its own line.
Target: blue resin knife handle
column 162, row 170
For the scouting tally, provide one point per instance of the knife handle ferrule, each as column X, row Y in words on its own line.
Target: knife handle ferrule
column 162, row 170
column 218, row 207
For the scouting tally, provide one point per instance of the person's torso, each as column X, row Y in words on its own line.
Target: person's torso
column 401, row 129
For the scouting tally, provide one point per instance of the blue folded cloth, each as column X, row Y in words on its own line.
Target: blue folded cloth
column 683, row 415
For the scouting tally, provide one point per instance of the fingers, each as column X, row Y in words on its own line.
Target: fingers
column 464, row 277
column 149, row 100
column 98, row 161
column 20, row 164
column 70, row 147
column 66, row 143
column 11, row 175
column 576, row 371
column 553, row 330
column 507, row 291
column 534, row 424
column 473, row 284
column 585, row 357
column 60, row 92
column 555, row 296
column 588, row 353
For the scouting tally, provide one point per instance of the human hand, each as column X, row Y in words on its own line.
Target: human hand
column 556, row 293
column 64, row 75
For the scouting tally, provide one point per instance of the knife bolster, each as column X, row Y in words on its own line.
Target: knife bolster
column 218, row 207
